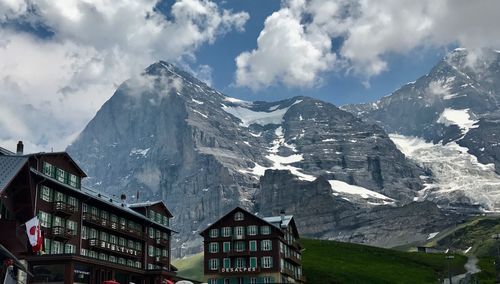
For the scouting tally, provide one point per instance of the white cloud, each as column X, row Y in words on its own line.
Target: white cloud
column 50, row 88
column 369, row 31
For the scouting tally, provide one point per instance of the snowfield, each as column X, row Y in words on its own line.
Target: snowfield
column 456, row 172
column 459, row 117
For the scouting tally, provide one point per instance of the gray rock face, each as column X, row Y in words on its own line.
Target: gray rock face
column 464, row 85
column 166, row 135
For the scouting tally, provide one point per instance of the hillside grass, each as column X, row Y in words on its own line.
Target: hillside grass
column 190, row 267
column 336, row 262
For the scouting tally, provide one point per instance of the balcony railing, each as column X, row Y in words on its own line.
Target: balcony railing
column 289, row 272
column 61, row 233
column 62, row 208
column 105, row 223
column 114, row 248
column 293, row 259
column 162, row 242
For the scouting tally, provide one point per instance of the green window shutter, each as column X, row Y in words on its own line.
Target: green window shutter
column 253, row 262
column 253, row 245
column 227, row 246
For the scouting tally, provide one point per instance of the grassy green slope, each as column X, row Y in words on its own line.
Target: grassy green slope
column 335, row 262
column 190, row 267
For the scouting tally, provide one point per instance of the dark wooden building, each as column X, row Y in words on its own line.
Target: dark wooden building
column 242, row 248
column 89, row 237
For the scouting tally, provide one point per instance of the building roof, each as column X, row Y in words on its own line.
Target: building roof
column 108, row 200
column 9, row 167
column 62, row 154
column 274, row 221
column 150, row 203
column 4, row 151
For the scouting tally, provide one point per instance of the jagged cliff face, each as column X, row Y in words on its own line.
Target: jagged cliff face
column 455, row 111
column 167, row 135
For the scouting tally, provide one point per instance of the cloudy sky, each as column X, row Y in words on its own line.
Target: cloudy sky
column 61, row 60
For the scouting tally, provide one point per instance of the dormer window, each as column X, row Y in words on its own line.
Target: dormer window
column 239, row 216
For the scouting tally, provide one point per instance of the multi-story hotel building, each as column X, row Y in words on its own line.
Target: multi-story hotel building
column 242, row 248
column 89, row 237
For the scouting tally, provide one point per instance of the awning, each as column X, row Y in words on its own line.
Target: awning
column 110, row 282
column 6, row 254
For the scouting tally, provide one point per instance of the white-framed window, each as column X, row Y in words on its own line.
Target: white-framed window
column 92, row 233
column 226, row 231
column 73, row 202
column 240, row 262
column 112, row 259
column 213, row 247
column 84, row 252
column 268, row 280
column 253, row 280
column 239, row 216
column 226, row 262
column 213, row 264
column 239, row 246
column 56, row 248
column 239, row 231
column 60, row 175
column 45, row 219
column 74, row 181
column 72, row 226
column 151, row 250
column 252, row 230
column 69, row 248
column 265, row 230
column 266, row 245
column 212, row 281
column 46, row 193
column 214, row 233
column 59, row 196
column 48, row 169
column 267, row 262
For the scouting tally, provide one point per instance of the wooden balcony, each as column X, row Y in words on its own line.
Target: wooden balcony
column 292, row 258
column 161, row 260
column 63, row 209
column 108, row 224
column 288, row 272
column 162, row 242
column 61, row 233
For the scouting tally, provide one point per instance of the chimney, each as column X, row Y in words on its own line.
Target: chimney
column 123, row 198
column 20, row 148
column 282, row 215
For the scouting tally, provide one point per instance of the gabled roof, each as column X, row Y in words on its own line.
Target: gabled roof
column 9, row 167
column 4, row 151
column 273, row 221
column 276, row 221
column 60, row 154
column 102, row 198
column 150, row 203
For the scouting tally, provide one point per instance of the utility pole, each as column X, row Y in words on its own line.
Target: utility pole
column 497, row 261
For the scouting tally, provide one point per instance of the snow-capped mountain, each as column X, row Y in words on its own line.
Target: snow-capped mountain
column 165, row 134
column 449, row 122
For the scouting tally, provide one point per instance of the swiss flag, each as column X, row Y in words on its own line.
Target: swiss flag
column 34, row 234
